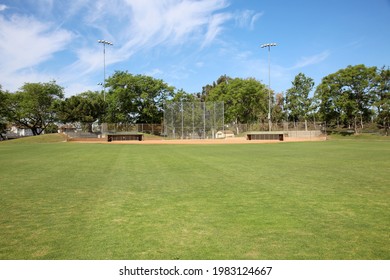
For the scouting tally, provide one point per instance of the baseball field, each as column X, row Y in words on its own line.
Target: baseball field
column 305, row 200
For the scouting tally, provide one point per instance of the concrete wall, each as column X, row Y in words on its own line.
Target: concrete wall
column 303, row 133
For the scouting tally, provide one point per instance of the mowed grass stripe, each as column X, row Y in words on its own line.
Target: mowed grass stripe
column 325, row 200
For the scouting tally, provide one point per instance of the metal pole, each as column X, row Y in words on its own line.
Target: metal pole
column 104, row 71
column 204, row 120
column 214, row 124
column 104, row 42
column 182, row 121
column 269, row 88
column 269, row 45
column 223, row 118
column 193, row 121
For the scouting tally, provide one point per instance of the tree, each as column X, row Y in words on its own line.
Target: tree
column 278, row 110
column 245, row 99
column 3, row 109
column 298, row 102
column 32, row 106
column 182, row 96
column 323, row 98
column 136, row 99
column 85, row 108
column 348, row 95
column 382, row 99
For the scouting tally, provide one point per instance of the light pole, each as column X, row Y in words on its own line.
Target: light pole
column 269, row 45
column 104, row 42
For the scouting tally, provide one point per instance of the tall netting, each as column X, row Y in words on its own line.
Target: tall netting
column 193, row 120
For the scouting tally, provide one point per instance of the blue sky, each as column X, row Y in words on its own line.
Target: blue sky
column 188, row 43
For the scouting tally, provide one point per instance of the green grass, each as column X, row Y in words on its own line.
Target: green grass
column 39, row 139
column 360, row 137
column 316, row 200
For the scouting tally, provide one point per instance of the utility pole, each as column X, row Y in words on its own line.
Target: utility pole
column 269, row 45
column 104, row 42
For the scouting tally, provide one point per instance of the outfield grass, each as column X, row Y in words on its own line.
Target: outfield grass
column 315, row 200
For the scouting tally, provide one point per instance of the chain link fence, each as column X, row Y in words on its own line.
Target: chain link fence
column 205, row 127
column 193, row 120
column 279, row 126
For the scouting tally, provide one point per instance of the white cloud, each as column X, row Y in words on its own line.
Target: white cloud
column 174, row 22
column 12, row 81
column 154, row 72
column 79, row 87
column 137, row 25
column 26, row 42
column 247, row 18
column 254, row 18
column 132, row 25
column 214, row 28
column 311, row 60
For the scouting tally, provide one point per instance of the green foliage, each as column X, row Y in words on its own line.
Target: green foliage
column 2, row 102
column 298, row 102
column 136, row 98
column 278, row 112
column 33, row 105
column 245, row 99
column 182, row 96
column 348, row 95
column 3, row 109
column 85, row 108
column 382, row 99
column 347, row 98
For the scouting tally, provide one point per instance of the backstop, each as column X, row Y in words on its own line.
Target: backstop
column 193, row 120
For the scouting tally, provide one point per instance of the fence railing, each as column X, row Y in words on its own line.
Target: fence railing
column 155, row 129
column 97, row 130
column 281, row 126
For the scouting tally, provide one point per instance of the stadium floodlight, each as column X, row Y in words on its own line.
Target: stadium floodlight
column 269, row 45
column 104, row 42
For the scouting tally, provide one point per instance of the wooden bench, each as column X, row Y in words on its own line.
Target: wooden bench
column 125, row 137
column 265, row 136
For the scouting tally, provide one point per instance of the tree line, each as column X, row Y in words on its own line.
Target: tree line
column 348, row 98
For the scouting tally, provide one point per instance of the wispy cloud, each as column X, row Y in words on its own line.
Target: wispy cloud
column 25, row 43
column 137, row 25
column 311, row 60
column 154, row 72
column 175, row 22
column 214, row 28
column 247, row 18
column 132, row 25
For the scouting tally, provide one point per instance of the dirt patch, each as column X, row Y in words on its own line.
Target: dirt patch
column 235, row 140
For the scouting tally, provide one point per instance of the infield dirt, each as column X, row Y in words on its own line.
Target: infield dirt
column 235, row 140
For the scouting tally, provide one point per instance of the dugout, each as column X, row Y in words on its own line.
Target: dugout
column 265, row 136
column 125, row 137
